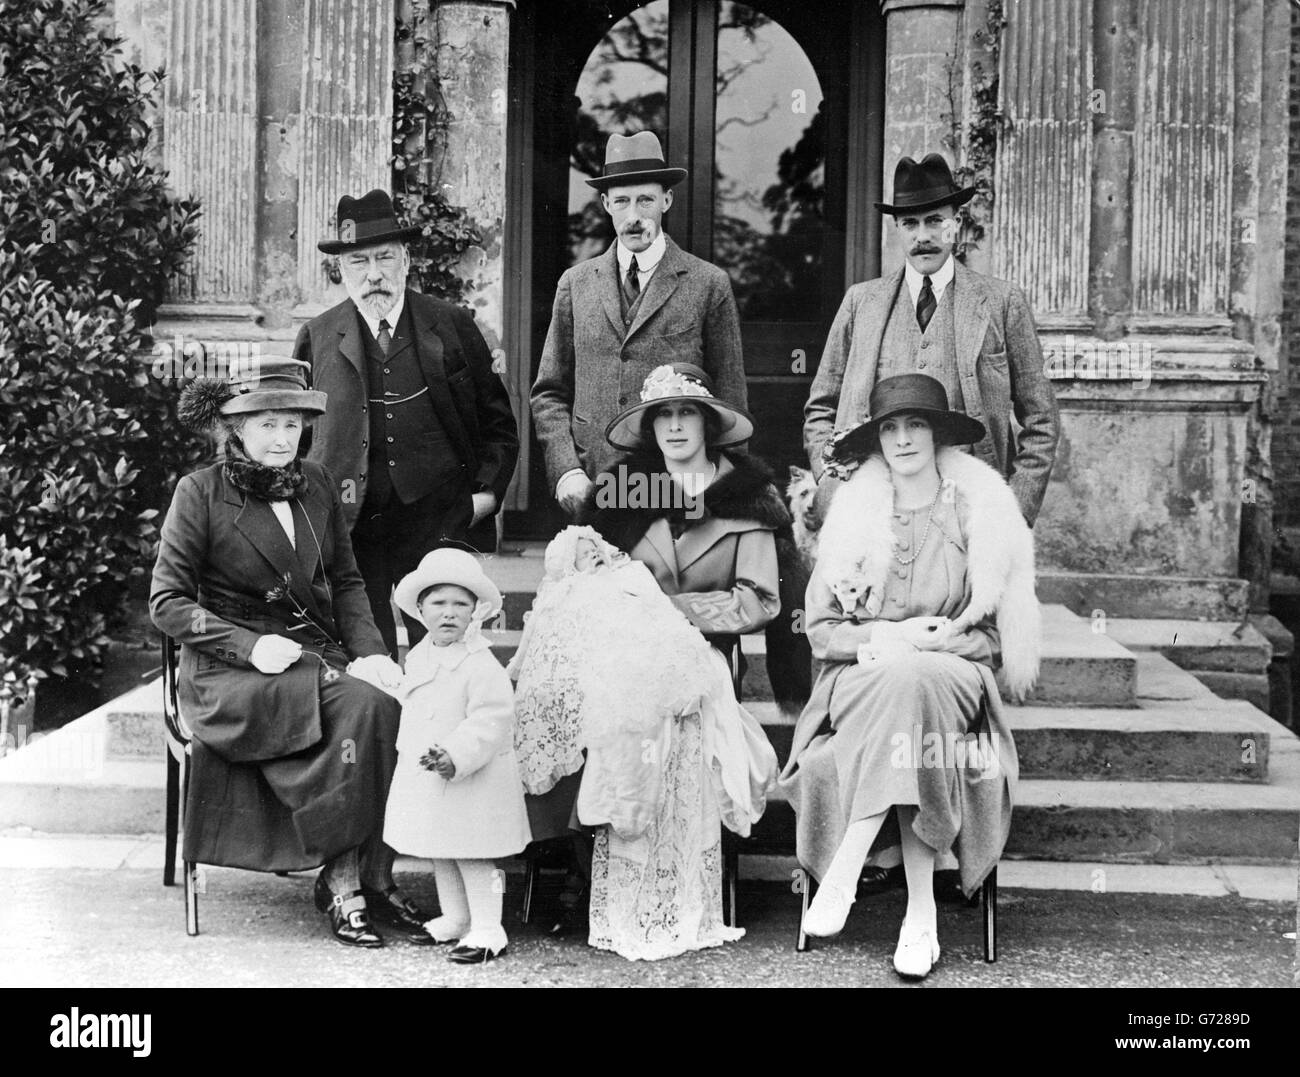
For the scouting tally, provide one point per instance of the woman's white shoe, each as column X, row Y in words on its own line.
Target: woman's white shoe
column 918, row 950
column 828, row 911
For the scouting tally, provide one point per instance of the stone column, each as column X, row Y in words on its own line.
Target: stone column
column 279, row 84
column 1115, row 46
column 347, row 125
column 924, row 54
column 471, row 54
column 470, row 59
column 1262, row 41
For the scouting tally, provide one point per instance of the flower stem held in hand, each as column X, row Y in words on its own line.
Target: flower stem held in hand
column 437, row 760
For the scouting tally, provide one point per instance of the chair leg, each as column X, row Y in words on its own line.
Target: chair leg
column 172, row 825
column 989, row 907
column 191, row 899
column 730, row 879
column 802, row 943
column 530, row 879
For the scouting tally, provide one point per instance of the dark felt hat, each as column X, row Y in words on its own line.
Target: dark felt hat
column 366, row 222
column 917, row 394
column 633, row 159
column 923, row 186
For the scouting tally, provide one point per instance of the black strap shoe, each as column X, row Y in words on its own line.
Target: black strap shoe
column 352, row 928
column 393, row 909
column 474, row 955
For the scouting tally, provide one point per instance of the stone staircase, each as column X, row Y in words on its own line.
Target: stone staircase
column 1124, row 756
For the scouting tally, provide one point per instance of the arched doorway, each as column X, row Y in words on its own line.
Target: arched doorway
column 773, row 106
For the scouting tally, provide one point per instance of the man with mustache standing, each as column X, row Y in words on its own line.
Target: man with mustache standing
column 418, row 432
column 643, row 303
column 975, row 334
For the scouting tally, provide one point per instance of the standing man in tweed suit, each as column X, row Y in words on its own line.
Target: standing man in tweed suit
column 419, row 431
column 643, row 303
column 975, row 334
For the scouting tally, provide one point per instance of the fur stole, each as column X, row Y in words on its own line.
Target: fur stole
column 257, row 480
column 744, row 493
column 857, row 542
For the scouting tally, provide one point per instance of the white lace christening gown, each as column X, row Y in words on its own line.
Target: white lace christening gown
column 660, row 895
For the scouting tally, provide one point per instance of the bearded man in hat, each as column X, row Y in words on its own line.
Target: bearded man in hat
column 642, row 304
column 974, row 334
column 420, row 433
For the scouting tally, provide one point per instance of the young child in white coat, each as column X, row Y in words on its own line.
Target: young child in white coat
column 456, row 796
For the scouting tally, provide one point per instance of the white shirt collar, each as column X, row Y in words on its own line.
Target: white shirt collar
column 646, row 261
column 391, row 317
column 939, row 279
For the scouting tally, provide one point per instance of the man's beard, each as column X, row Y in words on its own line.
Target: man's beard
column 374, row 304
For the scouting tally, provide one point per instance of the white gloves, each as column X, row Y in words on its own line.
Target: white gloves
column 378, row 670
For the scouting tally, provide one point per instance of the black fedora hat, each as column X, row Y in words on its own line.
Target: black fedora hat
column 632, row 159
column 366, row 222
column 917, row 394
column 926, row 185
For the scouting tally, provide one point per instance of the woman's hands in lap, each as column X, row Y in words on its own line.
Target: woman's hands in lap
column 890, row 639
column 274, row 654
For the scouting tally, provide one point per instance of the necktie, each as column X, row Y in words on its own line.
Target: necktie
column 386, row 338
column 633, row 279
column 925, row 304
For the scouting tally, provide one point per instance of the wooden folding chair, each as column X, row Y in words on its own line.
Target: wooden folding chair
column 731, row 841
column 988, row 902
column 179, row 754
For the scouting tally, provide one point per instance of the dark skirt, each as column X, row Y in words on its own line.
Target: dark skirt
column 298, row 811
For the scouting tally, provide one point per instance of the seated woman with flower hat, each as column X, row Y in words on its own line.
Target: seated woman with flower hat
column 703, row 521
column 292, row 751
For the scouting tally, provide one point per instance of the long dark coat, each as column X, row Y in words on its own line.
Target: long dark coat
column 468, row 396
column 288, row 770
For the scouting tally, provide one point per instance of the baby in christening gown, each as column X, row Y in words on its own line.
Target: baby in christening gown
column 605, row 664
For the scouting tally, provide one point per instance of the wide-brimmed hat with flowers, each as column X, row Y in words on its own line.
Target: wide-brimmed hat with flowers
column 678, row 383
column 449, row 565
column 917, row 394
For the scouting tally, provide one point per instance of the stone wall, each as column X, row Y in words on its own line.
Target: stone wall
column 1286, row 438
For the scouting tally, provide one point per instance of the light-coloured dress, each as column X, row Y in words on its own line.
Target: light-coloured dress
column 659, row 894
column 925, row 729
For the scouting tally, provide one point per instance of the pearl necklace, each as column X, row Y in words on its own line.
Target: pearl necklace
column 924, row 534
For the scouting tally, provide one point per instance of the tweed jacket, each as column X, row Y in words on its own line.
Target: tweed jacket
column 999, row 362
column 591, row 370
column 467, row 394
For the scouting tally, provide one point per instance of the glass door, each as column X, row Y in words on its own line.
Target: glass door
column 755, row 100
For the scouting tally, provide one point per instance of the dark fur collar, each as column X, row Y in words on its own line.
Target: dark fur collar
column 746, row 492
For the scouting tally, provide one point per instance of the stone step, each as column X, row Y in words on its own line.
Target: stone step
column 1218, row 741
column 1132, row 821
column 1078, row 667
column 1228, row 646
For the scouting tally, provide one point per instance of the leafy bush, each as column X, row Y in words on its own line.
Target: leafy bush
column 90, row 238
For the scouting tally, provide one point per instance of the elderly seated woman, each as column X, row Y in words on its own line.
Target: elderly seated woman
column 921, row 548
column 293, row 751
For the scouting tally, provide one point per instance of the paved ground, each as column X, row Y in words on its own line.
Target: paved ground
column 110, row 927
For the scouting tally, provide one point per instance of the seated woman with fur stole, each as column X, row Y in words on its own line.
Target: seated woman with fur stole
column 924, row 585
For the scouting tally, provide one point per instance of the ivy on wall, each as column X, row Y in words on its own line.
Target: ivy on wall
column 979, row 135
column 420, row 121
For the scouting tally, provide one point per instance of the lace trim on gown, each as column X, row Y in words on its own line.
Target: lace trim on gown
column 660, row 895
